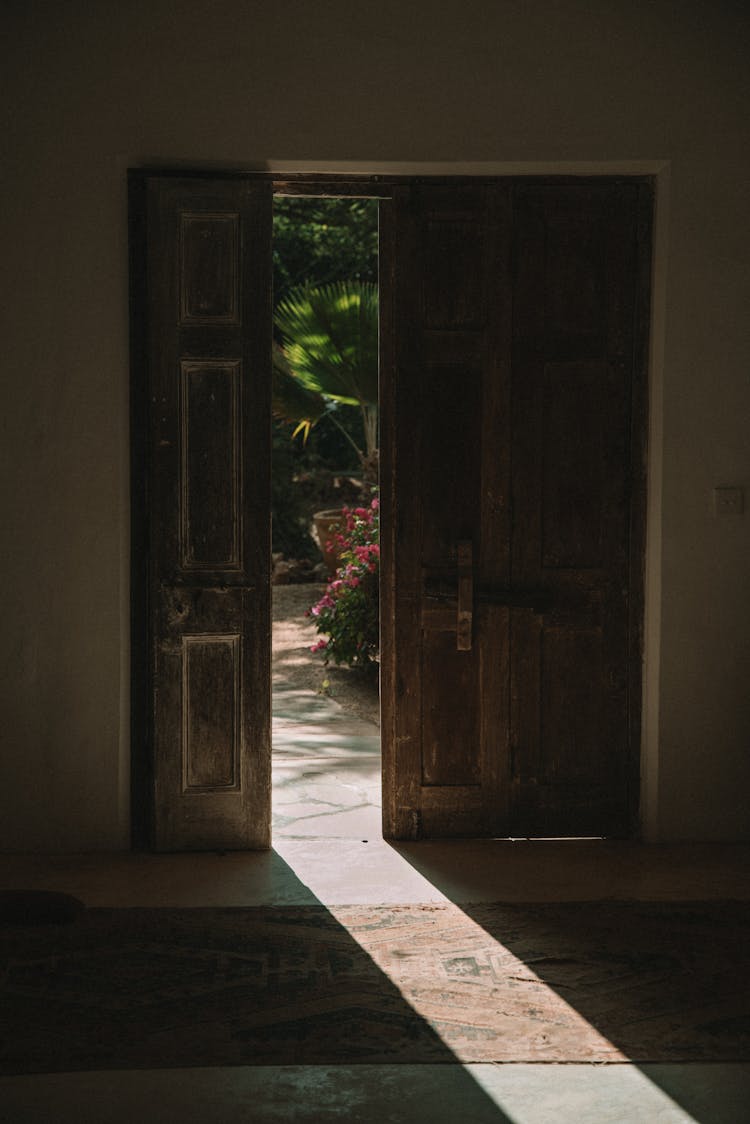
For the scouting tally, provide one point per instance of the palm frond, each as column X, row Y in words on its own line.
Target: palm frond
column 291, row 400
column 330, row 336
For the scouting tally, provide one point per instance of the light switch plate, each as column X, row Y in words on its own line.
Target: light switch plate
column 729, row 501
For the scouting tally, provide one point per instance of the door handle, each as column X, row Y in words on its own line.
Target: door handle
column 464, row 621
column 464, row 596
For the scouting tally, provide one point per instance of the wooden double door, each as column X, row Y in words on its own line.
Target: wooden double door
column 513, row 342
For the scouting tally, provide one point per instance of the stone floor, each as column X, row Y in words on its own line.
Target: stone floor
column 328, row 848
column 326, row 770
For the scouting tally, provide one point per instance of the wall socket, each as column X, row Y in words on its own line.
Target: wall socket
column 729, row 501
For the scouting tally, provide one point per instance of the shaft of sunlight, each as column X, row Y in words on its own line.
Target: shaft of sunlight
column 579, row 1066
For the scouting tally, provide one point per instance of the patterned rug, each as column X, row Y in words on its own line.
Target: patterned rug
column 592, row 982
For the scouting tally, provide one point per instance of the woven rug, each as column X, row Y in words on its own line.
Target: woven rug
column 592, row 982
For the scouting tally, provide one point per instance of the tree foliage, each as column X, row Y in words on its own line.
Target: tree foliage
column 330, row 355
column 317, row 241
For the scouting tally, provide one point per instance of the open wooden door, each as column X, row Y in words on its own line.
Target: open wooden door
column 512, row 485
column 444, row 484
column 208, row 312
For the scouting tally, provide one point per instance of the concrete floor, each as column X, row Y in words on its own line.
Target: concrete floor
column 328, row 848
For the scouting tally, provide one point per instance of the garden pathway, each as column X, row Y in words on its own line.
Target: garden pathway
column 326, row 742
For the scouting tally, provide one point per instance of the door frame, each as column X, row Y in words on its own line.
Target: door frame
column 378, row 186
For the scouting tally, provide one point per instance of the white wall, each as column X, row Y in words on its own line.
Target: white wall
column 92, row 89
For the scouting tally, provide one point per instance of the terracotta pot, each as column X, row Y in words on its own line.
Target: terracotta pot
column 327, row 525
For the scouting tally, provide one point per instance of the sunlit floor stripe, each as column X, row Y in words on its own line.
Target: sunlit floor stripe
column 532, row 1021
column 579, row 1094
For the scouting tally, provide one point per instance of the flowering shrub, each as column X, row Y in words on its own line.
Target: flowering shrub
column 347, row 613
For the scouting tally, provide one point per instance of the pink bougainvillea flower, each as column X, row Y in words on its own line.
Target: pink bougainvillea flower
column 347, row 613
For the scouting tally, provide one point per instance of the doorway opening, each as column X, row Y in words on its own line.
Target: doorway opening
column 325, row 573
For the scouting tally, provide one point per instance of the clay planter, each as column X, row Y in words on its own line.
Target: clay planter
column 327, row 525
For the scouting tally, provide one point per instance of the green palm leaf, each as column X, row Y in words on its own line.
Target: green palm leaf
column 292, row 401
column 330, row 336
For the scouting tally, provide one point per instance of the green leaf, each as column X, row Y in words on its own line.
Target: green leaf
column 330, row 336
column 292, row 401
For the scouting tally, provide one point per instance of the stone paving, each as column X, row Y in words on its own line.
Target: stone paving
column 326, row 768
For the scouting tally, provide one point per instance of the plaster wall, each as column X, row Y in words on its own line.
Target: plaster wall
column 90, row 90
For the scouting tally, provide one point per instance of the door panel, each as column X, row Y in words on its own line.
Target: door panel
column 507, row 708
column 445, row 730
column 573, row 361
column 209, row 305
